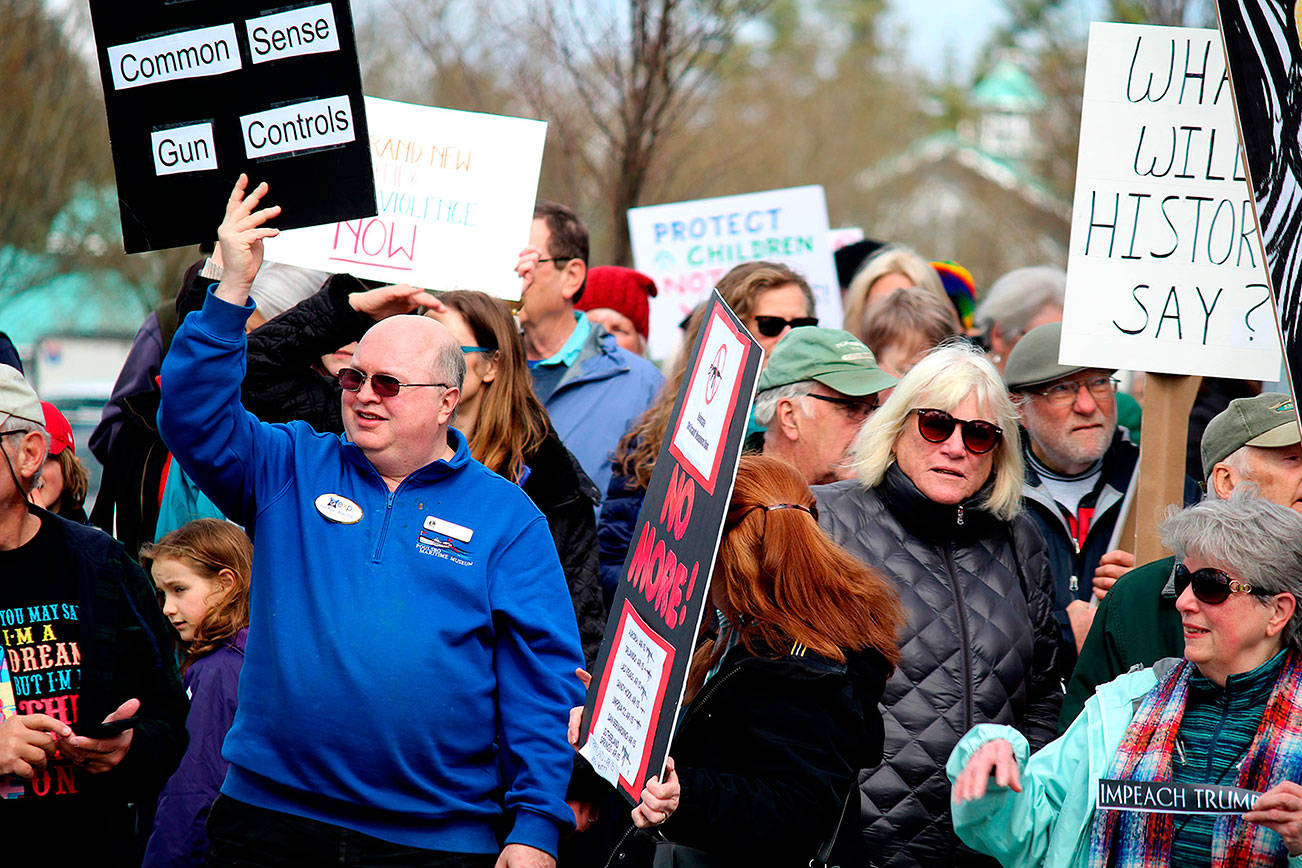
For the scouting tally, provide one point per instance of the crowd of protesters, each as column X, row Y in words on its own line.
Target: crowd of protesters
column 356, row 545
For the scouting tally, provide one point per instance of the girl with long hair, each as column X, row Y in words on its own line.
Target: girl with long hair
column 509, row 432
column 201, row 570
column 782, row 702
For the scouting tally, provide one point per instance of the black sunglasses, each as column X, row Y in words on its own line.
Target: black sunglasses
column 855, row 408
column 352, row 380
column 979, row 436
column 1212, row 586
column 772, row 326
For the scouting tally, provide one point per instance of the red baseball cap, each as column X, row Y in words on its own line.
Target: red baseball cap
column 58, row 429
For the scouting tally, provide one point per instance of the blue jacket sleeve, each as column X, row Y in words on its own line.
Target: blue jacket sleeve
column 179, row 839
column 233, row 458
column 537, row 653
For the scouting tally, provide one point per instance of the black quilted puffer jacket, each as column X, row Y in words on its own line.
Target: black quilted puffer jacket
column 980, row 646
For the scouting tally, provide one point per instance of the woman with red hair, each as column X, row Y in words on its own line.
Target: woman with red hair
column 782, row 702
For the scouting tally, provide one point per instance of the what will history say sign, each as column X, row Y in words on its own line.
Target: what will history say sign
column 1165, row 271
column 198, row 92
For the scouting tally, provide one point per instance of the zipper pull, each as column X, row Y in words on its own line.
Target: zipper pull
column 959, row 517
column 1074, row 584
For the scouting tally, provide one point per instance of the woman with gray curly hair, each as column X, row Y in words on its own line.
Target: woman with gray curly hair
column 936, row 506
column 1229, row 713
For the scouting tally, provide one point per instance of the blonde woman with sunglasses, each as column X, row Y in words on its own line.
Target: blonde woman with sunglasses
column 936, row 507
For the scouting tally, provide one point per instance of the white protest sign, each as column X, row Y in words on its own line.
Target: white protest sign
column 455, row 192
column 685, row 247
column 1165, row 272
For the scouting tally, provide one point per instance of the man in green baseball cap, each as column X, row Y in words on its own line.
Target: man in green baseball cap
column 819, row 387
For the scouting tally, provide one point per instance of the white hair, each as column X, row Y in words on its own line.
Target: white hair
column 943, row 379
column 766, row 403
column 1017, row 296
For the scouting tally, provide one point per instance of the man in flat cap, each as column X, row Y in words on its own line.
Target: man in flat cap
column 82, row 643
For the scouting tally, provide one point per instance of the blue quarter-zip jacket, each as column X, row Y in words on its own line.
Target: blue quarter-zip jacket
column 400, row 681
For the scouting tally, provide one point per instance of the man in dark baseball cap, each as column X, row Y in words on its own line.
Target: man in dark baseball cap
column 818, row 389
column 1254, row 440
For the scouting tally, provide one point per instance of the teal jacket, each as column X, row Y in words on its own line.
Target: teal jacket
column 1048, row 823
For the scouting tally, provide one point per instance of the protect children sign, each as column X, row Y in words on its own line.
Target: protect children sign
column 1165, row 271
column 641, row 671
column 685, row 247
column 198, row 92
column 455, row 192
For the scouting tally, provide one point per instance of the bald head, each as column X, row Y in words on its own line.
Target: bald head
column 419, row 340
column 402, row 433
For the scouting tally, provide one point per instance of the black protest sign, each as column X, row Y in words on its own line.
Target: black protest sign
column 641, row 671
column 1165, row 797
column 197, row 92
column 1265, row 67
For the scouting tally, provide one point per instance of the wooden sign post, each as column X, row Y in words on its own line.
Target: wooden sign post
column 1168, row 398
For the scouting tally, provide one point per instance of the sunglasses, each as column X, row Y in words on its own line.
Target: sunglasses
column 352, row 380
column 772, row 326
column 1212, row 586
column 979, row 436
column 857, row 409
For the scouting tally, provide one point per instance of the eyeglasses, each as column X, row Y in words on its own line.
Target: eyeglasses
column 477, row 350
column 1101, row 388
column 1213, row 586
column 352, row 380
column 857, row 409
column 772, row 326
column 557, row 259
column 979, row 436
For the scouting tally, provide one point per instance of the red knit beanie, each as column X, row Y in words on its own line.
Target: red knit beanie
column 622, row 290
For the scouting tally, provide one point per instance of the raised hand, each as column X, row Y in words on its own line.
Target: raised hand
column 240, row 237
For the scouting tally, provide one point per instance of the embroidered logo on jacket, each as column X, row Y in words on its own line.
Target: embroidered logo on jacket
column 445, row 540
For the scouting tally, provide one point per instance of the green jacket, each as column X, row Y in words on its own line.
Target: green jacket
column 1047, row 825
column 1136, row 624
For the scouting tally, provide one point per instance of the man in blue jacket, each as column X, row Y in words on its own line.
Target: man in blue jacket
column 593, row 388
column 409, row 667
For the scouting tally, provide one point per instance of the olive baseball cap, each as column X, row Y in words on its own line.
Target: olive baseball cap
column 1268, row 420
column 833, row 357
column 1034, row 359
column 18, row 399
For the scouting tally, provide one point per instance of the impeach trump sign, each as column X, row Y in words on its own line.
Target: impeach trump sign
column 198, row 92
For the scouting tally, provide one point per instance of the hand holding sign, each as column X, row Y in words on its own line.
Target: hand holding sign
column 992, row 758
column 1280, row 809
column 240, row 236
column 659, row 800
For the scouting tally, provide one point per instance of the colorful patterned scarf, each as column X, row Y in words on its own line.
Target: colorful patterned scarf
column 1129, row 839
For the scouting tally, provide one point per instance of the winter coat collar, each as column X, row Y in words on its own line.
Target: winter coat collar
column 931, row 521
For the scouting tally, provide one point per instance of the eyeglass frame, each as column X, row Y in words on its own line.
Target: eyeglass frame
column 488, row 350
column 848, row 403
column 1070, row 394
column 381, row 378
column 962, row 426
column 794, row 322
column 1183, row 578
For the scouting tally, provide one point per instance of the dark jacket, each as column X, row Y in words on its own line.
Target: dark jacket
column 129, row 491
column 615, row 529
column 280, row 385
column 567, row 498
column 1073, row 570
column 179, row 840
column 980, row 646
column 126, row 652
column 1136, row 624
column 767, row 752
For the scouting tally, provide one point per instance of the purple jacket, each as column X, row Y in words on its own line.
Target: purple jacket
column 179, row 838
